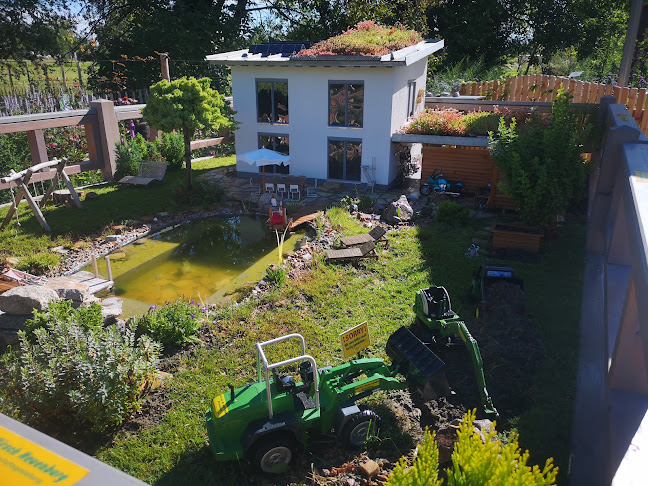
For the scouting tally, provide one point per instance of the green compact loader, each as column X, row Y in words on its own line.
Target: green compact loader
column 265, row 421
column 432, row 307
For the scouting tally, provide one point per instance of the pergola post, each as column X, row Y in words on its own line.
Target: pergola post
column 108, row 136
column 36, row 141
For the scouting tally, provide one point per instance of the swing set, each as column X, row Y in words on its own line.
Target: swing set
column 22, row 180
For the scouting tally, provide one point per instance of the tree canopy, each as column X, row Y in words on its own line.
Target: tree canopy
column 186, row 104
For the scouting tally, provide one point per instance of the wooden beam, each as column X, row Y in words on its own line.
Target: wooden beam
column 37, row 148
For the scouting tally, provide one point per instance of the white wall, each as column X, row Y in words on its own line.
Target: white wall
column 308, row 114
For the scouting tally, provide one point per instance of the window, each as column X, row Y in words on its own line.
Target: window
column 272, row 101
column 278, row 143
column 344, row 158
column 411, row 98
column 346, row 103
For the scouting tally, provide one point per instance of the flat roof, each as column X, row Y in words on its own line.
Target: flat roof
column 402, row 57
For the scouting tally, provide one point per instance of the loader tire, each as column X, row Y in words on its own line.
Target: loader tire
column 360, row 427
column 274, row 454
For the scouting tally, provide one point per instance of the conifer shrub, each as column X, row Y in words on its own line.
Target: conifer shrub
column 475, row 462
column 70, row 374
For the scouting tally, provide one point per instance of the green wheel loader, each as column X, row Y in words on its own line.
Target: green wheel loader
column 265, row 421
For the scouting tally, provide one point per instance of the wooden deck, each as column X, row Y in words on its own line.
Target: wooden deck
column 6, row 285
column 87, row 278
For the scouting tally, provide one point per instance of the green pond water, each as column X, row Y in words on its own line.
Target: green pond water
column 204, row 260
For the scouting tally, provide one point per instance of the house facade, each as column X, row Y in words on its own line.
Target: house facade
column 334, row 115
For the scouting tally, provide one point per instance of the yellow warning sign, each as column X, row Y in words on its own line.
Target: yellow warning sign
column 355, row 340
column 370, row 385
column 24, row 463
column 219, row 407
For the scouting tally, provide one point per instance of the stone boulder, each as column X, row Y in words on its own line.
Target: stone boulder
column 68, row 289
column 9, row 327
column 398, row 211
column 25, row 299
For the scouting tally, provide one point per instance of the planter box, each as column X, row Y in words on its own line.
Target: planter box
column 515, row 236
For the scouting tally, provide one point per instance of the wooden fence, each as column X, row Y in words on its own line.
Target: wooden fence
column 541, row 87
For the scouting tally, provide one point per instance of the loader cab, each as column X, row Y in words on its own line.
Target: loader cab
column 435, row 303
column 307, row 370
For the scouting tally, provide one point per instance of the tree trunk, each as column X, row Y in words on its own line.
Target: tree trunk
column 187, row 147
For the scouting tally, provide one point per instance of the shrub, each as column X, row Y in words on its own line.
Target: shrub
column 72, row 375
column 474, row 462
column 171, row 324
column 542, row 167
column 452, row 213
column 365, row 203
column 39, row 263
column 129, row 158
column 172, row 150
column 481, row 122
column 203, row 192
column 61, row 311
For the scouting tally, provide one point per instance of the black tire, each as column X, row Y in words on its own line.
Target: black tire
column 425, row 190
column 359, row 427
column 274, row 454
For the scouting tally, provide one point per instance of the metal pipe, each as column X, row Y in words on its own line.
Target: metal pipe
column 630, row 41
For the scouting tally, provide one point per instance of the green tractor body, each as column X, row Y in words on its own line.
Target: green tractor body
column 263, row 421
column 432, row 307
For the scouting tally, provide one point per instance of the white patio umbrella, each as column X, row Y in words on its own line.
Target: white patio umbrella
column 262, row 157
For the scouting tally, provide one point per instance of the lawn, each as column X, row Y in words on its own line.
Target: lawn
column 331, row 299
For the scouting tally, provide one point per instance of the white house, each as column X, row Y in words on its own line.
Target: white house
column 334, row 115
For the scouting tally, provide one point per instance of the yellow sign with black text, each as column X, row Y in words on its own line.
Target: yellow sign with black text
column 355, row 340
column 24, row 463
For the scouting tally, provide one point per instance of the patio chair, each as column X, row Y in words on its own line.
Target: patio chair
column 149, row 171
column 375, row 235
column 255, row 189
column 281, row 190
column 270, row 187
column 310, row 191
column 367, row 250
column 295, row 193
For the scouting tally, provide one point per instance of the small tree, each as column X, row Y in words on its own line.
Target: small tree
column 186, row 104
column 542, row 167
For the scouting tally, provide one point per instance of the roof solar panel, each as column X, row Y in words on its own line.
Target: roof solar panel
column 285, row 48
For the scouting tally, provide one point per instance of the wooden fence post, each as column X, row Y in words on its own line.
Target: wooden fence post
column 36, row 141
column 108, row 136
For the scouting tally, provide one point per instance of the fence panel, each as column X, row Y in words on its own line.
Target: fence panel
column 541, row 87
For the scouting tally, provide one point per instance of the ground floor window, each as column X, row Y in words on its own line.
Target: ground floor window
column 278, row 143
column 344, row 158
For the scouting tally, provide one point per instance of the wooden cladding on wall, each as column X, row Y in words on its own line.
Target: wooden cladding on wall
column 470, row 165
column 542, row 87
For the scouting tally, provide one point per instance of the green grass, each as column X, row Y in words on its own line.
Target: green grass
column 331, row 299
column 116, row 203
column 36, row 76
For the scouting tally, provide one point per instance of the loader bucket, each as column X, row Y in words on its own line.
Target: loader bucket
column 418, row 364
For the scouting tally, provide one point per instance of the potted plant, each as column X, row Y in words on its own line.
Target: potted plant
column 543, row 170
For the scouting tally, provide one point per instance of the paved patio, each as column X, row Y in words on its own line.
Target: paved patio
column 328, row 193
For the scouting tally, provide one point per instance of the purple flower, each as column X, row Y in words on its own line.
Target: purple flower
column 204, row 309
column 132, row 129
column 193, row 315
column 153, row 307
column 192, row 302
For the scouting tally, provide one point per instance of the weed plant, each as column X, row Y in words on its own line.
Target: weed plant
column 171, row 324
column 87, row 317
column 452, row 213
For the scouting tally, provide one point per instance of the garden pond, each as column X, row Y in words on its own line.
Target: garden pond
column 204, row 260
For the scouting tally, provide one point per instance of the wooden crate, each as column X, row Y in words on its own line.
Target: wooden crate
column 516, row 236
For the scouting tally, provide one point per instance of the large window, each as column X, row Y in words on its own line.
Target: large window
column 346, row 103
column 272, row 101
column 344, row 158
column 411, row 98
column 278, row 143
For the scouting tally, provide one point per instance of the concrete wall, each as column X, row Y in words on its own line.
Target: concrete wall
column 385, row 109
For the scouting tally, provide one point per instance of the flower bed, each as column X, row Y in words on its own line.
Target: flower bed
column 365, row 39
column 451, row 122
